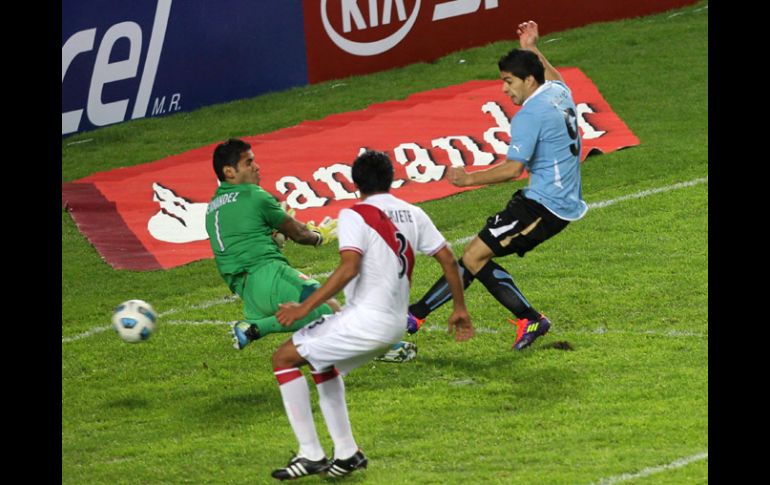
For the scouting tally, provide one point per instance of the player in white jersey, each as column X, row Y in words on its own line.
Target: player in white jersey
column 545, row 141
column 377, row 239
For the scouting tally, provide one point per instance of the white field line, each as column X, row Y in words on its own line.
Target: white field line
column 196, row 322
column 597, row 331
column 686, row 12
column 79, row 336
column 205, row 304
column 653, row 470
column 81, row 141
column 645, row 193
column 462, row 240
column 637, row 195
column 706, row 7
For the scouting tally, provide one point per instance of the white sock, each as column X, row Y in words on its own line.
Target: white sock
column 331, row 398
column 296, row 401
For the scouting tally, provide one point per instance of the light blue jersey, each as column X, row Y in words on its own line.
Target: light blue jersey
column 545, row 138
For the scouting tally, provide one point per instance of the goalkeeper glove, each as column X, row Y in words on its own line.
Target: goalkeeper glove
column 326, row 230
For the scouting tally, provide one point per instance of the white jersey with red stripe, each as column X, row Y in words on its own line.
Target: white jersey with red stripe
column 382, row 285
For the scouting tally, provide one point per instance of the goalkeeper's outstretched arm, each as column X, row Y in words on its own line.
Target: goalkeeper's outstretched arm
column 299, row 232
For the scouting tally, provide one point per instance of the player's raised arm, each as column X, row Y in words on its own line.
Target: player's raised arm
column 528, row 37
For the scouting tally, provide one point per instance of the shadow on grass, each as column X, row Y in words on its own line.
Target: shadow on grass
column 128, row 403
column 241, row 406
column 500, row 376
column 252, row 401
column 505, row 374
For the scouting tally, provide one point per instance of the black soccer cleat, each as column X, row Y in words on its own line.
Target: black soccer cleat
column 301, row 467
column 340, row 468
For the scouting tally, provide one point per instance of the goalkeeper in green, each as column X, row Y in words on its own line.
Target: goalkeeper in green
column 246, row 225
column 242, row 220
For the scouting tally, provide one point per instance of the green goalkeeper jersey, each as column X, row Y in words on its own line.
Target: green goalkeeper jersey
column 240, row 220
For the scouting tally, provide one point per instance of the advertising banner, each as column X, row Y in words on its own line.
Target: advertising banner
column 364, row 36
column 145, row 58
column 129, row 60
column 151, row 216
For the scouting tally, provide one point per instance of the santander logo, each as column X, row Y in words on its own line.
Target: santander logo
column 351, row 11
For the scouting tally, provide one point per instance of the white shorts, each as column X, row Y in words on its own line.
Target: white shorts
column 347, row 339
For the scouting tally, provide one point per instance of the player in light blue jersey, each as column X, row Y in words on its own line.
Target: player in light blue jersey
column 546, row 142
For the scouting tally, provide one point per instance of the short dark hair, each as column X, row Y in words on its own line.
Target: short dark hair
column 522, row 63
column 373, row 172
column 227, row 154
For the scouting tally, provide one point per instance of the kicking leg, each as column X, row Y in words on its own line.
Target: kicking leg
column 245, row 332
column 531, row 324
column 436, row 296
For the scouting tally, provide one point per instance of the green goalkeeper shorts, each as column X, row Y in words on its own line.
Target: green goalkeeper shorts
column 272, row 284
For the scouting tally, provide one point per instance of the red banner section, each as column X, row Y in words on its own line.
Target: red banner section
column 151, row 216
column 363, row 36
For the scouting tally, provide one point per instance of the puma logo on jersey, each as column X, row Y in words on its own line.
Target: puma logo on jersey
column 502, row 229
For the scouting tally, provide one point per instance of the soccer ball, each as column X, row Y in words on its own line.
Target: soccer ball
column 134, row 320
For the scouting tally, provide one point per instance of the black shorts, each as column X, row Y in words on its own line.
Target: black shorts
column 522, row 225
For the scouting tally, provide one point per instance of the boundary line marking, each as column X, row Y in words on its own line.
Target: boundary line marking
column 205, row 304
column 609, row 202
column 679, row 463
column 645, row 193
column 597, row 331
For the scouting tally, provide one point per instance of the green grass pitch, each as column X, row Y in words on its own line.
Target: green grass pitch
column 627, row 287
